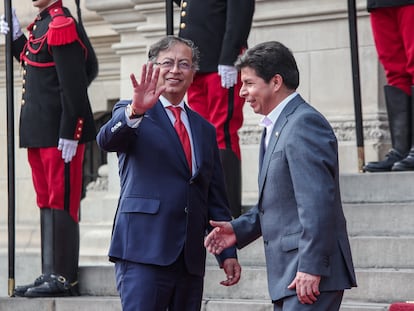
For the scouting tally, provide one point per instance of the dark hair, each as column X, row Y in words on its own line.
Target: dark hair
column 270, row 58
column 167, row 42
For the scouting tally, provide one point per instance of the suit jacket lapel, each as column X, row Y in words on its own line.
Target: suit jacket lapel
column 160, row 117
column 277, row 130
column 262, row 149
column 195, row 134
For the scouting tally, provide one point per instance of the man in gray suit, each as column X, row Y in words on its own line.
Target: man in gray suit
column 299, row 212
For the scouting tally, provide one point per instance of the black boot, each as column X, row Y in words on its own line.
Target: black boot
column 399, row 118
column 46, row 240
column 232, row 178
column 407, row 164
column 20, row 291
column 61, row 256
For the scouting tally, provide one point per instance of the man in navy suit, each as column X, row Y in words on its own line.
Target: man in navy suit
column 299, row 212
column 167, row 197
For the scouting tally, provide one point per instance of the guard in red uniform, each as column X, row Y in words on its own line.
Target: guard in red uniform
column 55, row 123
column 219, row 29
column 392, row 24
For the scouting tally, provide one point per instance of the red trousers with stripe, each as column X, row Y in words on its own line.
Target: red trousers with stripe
column 57, row 185
column 393, row 30
column 220, row 106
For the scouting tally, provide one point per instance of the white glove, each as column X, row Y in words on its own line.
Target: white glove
column 228, row 75
column 68, row 148
column 4, row 26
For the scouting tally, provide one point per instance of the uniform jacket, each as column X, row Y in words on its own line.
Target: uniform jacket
column 162, row 210
column 373, row 4
column 55, row 101
column 219, row 28
column 299, row 211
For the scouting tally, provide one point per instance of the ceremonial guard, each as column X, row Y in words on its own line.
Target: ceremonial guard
column 58, row 64
column 392, row 23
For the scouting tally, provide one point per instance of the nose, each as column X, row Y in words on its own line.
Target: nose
column 175, row 67
column 243, row 91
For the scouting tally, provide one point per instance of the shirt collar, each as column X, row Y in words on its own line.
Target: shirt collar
column 166, row 103
column 272, row 117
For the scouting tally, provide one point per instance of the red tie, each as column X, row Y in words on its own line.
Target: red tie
column 182, row 133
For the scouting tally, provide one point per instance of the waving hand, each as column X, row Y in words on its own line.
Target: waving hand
column 146, row 92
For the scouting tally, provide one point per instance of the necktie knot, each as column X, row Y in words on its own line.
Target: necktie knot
column 176, row 111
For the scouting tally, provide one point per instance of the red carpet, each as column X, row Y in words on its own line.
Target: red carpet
column 402, row 306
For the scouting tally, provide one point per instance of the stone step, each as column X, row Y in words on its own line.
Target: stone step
column 82, row 303
column 374, row 285
column 396, row 252
column 380, row 219
column 387, row 187
column 377, row 187
column 262, row 305
column 383, row 251
column 361, row 306
column 367, row 252
column 383, row 285
column 109, row 303
column 373, row 228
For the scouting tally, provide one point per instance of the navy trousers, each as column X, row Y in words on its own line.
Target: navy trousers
column 144, row 287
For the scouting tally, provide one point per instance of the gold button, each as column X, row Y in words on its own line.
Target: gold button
column 34, row 27
column 79, row 129
column 77, row 135
column 182, row 25
column 24, row 81
column 23, row 90
column 184, row 5
column 183, row 13
column 27, row 53
column 23, row 102
column 80, row 121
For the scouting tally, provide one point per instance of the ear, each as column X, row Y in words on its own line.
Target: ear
column 276, row 81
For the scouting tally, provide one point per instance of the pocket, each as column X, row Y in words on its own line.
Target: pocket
column 290, row 242
column 276, row 155
column 139, row 205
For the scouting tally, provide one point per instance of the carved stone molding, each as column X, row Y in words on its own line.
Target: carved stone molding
column 375, row 130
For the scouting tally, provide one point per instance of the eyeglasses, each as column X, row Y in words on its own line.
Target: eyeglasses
column 169, row 64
